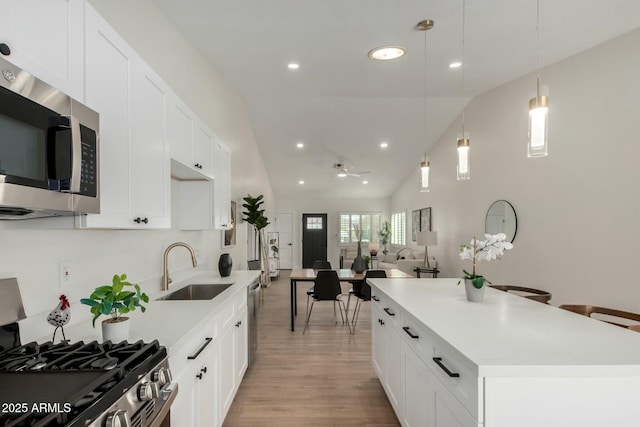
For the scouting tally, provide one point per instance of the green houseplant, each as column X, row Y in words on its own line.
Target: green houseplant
column 114, row 301
column 254, row 215
column 385, row 235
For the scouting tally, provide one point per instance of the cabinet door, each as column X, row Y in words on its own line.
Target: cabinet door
column 448, row 411
column 377, row 341
column 46, row 40
column 184, row 407
column 109, row 91
column 241, row 356
column 418, row 407
column 207, row 388
column 393, row 375
column 222, row 187
column 227, row 369
column 150, row 168
column 181, row 132
column 203, row 150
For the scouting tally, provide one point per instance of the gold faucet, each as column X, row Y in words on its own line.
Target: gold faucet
column 165, row 258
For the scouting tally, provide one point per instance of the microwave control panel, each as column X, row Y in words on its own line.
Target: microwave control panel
column 89, row 171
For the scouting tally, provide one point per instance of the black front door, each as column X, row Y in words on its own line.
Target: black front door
column 314, row 238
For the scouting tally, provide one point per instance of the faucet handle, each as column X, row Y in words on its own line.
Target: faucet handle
column 169, row 280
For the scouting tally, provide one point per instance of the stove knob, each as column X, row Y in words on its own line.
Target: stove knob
column 119, row 418
column 147, row 391
column 162, row 376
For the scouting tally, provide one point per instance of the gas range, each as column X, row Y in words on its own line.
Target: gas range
column 85, row 384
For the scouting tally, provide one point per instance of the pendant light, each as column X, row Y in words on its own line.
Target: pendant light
column 463, row 170
column 538, row 108
column 425, row 25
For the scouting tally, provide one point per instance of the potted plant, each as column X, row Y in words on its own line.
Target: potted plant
column 367, row 258
column 114, row 301
column 385, row 235
column 492, row 247
column 254, row 215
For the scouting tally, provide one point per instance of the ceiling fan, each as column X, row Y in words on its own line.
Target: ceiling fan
column 342, row 170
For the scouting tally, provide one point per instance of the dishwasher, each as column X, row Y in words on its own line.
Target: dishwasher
column 253, row 307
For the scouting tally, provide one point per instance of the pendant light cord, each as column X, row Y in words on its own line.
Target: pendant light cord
column 538, row 48
column 425, row 90
column 464, row 66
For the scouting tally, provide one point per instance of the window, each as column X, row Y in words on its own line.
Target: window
column 398, row 228
column 314, row 223
column 369, row 223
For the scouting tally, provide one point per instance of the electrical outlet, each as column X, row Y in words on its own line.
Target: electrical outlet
column 65, row 274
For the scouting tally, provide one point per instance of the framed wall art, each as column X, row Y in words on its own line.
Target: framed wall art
column 425, row 219
column 415, row 224
column 229, row 236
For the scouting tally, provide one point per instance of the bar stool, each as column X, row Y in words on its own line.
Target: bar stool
column 535, row 294
column 589, row 310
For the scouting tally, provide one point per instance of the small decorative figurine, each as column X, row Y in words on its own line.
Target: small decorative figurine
column 59, row 317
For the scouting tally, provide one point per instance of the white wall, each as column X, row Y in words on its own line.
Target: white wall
column 32, row 255
column 578, row 209
column 332, row 207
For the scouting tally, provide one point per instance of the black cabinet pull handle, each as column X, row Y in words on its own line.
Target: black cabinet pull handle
column 204, row 370
column 238, row 324
column 207, row 341
column 438, row 361
column 411, row 334
column 382, row 322
column 375, row 298
column 4, row 49
column 143, row 220
column 389, row 312
column 199, row 376
column 198, row 165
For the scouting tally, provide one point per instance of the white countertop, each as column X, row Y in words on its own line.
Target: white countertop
column 167, row 321
column 507, row 335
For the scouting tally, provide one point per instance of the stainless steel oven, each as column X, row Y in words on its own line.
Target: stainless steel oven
column 48, row 149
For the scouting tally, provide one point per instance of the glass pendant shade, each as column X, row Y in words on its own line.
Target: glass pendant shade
column 538, row 126
column 463, row 159
column 424, row 177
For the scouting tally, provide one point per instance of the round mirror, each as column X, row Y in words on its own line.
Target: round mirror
column 501, row 218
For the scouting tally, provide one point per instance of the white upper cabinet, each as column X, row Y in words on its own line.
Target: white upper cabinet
column 46, row 39
column 190, row 139
column 222, row 187
column 134, row 158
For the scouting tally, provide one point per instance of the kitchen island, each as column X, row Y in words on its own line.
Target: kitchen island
column 507, row 361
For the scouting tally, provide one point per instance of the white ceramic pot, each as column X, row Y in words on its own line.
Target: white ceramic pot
column 473, row 294
column 115, row 331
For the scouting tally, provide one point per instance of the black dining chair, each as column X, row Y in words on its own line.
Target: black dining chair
column 362, row 292
column 326, row 288
column 321, row 265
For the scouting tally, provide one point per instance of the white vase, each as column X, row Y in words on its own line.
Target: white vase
column 473, row 294
column 115, row 331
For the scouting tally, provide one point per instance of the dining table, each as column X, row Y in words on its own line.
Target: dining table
column 344, row 274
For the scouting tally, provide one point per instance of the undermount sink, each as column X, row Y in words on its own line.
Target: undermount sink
column 197, row 292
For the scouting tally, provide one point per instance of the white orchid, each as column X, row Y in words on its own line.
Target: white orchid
column 489, row 249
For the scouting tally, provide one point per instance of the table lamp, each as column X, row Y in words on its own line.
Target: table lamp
column 373, row 248
column 426, row 238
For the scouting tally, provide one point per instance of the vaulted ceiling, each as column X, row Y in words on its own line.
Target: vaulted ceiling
column 341, row 105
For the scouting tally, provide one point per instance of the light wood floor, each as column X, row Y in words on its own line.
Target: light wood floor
column 322, row 378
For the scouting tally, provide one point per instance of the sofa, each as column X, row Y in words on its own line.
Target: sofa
column 406, row 259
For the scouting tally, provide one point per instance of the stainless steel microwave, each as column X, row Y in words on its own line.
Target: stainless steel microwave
column 49, row 163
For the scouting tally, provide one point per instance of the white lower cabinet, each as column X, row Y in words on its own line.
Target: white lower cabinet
column 216, row 361
column 402, row 356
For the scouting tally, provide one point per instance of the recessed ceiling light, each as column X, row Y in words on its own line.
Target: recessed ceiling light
column 455, row 64
column 293, row 66
column 384, row 145
column 365, row 182
column 300, row 182
column 341, row 174
column 299, row 145
column 385, row 53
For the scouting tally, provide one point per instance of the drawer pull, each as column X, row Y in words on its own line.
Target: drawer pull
column 389, row 312
column 438, row 361
column 411, row 334
column 207, row 341
column 375, row 298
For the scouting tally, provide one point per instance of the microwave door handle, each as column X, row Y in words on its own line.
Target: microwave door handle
column 76, row 155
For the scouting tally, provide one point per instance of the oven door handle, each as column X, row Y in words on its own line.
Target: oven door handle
column 168, row 395
column 76, row 155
